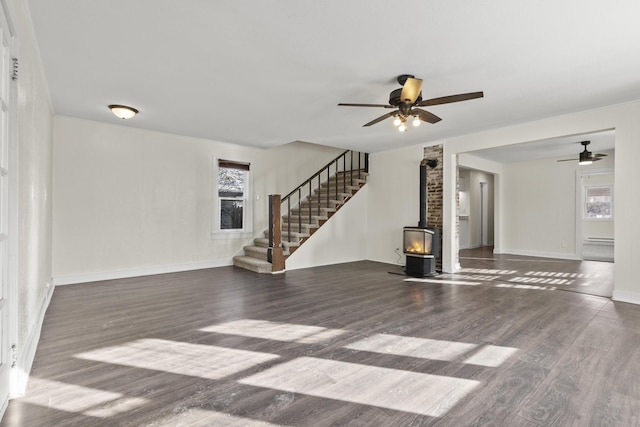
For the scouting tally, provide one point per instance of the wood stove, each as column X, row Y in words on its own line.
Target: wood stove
column 421, row 247
column 422, row 244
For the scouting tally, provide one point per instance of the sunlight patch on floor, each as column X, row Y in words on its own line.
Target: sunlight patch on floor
column 78, row 399
column 484, row 278
column 425, row 394
column 205, row 418
column 424, row 348
column 528, row 287
column 491, row 356
column 542, row 281
column 487, row 271
column 197, row 360
column 265, row 329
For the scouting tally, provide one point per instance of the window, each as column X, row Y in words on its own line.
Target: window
column 598, row 202
column 232, row 213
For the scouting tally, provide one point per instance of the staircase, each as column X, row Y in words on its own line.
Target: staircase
column 305, row 210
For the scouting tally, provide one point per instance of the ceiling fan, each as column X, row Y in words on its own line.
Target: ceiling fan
column 586, row 156
column 406, row 101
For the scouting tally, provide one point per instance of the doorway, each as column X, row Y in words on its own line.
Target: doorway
column 476, row 210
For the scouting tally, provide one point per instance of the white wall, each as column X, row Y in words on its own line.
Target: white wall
column 35, row 137
column 540, row 209
column 394, row 185
column 130, row 202
column 624, row 119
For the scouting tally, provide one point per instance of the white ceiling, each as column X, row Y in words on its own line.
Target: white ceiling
column 266, row 72
column 566, row 147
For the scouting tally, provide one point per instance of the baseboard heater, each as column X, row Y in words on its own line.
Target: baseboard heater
column 598, row 249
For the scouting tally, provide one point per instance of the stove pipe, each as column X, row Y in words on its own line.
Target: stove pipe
column 423, row 189
column 423, row 194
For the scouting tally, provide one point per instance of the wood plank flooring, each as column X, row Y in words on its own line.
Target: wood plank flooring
column 347, row 344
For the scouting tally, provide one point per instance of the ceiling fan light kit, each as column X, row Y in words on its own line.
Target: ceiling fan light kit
column 407, row 99
column 586, row 157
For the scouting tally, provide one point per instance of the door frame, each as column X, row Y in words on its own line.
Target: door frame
column 10, row 328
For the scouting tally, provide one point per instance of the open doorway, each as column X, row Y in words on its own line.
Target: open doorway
column 595, row 214
column 544, row 199
column 476, row 211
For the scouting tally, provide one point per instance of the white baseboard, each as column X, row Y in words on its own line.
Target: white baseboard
column 137, row 272
column 559, row 255
column 626, row 296
column 26, row 355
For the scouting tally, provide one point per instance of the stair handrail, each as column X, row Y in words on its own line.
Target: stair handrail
column 366, row 169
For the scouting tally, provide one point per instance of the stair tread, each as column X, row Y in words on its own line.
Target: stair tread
column 255, row 248
column 253, row 264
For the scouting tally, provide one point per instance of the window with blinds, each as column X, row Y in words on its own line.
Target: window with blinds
column 598, row 202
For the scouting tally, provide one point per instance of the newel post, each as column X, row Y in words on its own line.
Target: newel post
column 274, row 254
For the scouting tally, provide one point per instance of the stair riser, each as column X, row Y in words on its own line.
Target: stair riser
column 324, row 212
column 356, row 182
column 331, row 204
column 256, row 255
column 255, row 267
column 332, row 195
column 305, row 222
column 290, row 240
column 304, row 229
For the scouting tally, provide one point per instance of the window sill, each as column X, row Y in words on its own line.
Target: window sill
column 230, row 235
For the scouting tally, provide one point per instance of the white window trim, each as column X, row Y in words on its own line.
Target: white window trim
column 247, row 209
column 584, row 204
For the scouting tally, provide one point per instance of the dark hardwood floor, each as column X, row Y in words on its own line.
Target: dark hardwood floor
column 587, row 277
column 347, row 344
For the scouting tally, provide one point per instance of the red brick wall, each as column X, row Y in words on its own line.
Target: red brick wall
column 435, row 179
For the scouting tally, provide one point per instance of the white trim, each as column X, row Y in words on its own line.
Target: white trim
column 13, row 297
column 137, row 272
column 557, row 255
column 26, row 355
column 578, row 212
column 230, row 235
column 625, row 296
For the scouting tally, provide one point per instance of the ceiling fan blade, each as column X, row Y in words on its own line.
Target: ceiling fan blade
column 451, row 98
column 568, row 160
column 600, row 155
column 365, row 105
column 411, row 90
column 381, row 118
column 426, row 116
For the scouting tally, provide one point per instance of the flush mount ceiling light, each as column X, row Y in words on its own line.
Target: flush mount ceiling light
column 122, row 111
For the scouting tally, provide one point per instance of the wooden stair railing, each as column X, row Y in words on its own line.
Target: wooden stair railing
column 347, row 164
